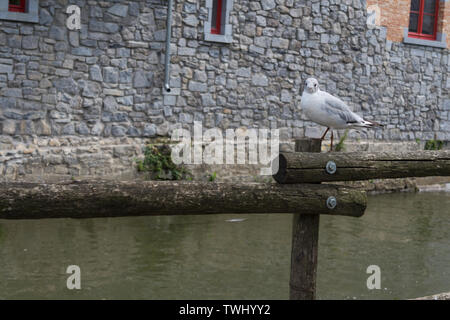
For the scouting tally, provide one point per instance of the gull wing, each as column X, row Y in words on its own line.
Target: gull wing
column 335, row 106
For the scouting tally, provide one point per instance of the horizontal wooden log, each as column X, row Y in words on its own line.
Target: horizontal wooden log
column 311, row 167
column 114, row 199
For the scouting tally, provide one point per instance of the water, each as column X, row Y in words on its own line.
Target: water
column 230, row 256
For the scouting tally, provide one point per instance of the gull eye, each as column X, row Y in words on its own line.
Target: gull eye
column 315, row 85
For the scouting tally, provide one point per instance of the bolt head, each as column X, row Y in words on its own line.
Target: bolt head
column 331, row 202
column 331, row 167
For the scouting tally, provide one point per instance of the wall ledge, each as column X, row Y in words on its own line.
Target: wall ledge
column 440, row 42
column 32, row 14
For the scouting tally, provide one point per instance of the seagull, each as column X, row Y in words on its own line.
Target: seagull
column 329, row 111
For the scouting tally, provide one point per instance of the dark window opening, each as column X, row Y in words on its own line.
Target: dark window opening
column 216, row 19
column 17, row 5
column 423, row 19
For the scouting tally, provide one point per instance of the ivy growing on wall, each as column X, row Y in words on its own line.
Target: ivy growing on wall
column 158, row 164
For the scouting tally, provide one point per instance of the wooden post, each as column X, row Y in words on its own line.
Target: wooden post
column 305, row 236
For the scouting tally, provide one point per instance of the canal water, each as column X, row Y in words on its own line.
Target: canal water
column 230, row 256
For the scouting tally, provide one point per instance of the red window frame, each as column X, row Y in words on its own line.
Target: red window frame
column 421, row 13
column 217, row 29
column 18, row 8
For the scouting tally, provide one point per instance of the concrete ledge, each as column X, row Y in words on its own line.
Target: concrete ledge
column 440, row 41
column 421, row 184
column 53, row 159
column 439, row 296
column 32, row 14
column 223, row 38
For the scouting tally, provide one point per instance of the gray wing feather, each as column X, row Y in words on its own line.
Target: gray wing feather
column 337, row 107
column 336, row 103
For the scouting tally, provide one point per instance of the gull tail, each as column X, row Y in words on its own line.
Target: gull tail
column 367, row 124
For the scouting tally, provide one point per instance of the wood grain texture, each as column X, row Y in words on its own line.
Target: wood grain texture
column 310, row 167
column 305, row 242
column 87, row 199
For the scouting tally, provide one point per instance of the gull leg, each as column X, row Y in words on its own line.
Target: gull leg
column 331, row 147
column 325, row 134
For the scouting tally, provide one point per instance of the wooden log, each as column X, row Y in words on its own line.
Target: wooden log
column 305, row 242
column 311, row 167
column 113, row 199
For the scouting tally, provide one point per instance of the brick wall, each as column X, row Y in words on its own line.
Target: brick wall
column 444, row 19
column 395, row 16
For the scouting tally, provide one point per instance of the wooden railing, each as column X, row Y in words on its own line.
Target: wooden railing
column 298, row 191
column 307, row 165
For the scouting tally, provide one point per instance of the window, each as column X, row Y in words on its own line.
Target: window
column 217, row 28
column 17, row 5
column 19, row 10
column 423, row 19
column 216, row 17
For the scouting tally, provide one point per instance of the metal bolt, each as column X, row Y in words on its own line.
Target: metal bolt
column 331, row 167
column 331, row 202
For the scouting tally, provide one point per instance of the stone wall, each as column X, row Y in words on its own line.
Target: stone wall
column 102, row 85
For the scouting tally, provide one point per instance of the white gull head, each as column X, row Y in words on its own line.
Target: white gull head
column 311, row 85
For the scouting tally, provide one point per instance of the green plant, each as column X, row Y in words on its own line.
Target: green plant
column 212, row 177
column 434, row 144
column 158, row 162
column 340, row 146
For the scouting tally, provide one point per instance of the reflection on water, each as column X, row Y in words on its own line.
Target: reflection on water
column 406, row 235
column 219, row 257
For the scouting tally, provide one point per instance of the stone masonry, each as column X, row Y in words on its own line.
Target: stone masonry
column 85, row 102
